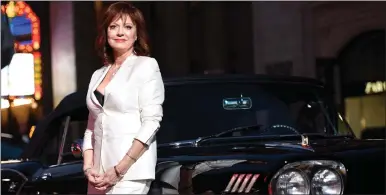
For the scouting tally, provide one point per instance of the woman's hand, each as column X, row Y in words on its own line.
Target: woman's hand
column 94, row 177
column 110, row 178
column 114, row 174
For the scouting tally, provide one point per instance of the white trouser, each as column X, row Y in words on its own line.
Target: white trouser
column 124, row 187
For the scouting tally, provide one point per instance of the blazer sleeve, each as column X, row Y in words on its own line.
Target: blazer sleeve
column 87, row 139
column 151, row 98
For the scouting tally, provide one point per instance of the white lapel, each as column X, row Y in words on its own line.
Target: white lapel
column 120, row 77
column 96, row 84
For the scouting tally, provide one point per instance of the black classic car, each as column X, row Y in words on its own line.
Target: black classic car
column 220, row 135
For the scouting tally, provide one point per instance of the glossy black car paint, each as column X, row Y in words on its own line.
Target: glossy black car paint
column 267, row 160
column 364, row 160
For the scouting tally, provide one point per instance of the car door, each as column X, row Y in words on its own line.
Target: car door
column 64, row 173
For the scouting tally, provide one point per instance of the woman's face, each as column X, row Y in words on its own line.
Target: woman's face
column 121, row 34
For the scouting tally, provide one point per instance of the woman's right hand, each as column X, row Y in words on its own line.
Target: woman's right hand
column 93, row 176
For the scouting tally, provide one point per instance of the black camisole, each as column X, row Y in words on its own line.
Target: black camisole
column 99, row 96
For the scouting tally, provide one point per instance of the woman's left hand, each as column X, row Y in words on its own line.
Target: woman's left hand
column 110, row 178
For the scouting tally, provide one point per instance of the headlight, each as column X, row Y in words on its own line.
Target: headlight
column 327, row 181
column 292, row 181
column 317, row 177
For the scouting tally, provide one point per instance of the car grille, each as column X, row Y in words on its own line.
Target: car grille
column 233, row 183
column 241, row 183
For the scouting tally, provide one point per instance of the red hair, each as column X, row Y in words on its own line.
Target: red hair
column 113, row 12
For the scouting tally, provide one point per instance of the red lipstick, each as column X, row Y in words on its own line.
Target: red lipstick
column 119, row 40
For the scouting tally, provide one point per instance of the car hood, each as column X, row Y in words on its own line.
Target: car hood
column 221, row 160
column 272, row 150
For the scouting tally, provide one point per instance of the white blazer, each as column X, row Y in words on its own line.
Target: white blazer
column 132, row 109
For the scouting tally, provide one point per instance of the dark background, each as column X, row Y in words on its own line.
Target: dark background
column 340, row 43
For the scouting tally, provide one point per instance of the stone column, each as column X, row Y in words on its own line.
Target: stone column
column 215, row 34
column 170, row 44
column 281, row 39
column 62, row 49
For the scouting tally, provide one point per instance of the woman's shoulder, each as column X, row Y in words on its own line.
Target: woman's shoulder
column 101, row 69
column 146, row 63
column 98, row 71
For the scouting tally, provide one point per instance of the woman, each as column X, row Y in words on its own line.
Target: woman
column 125, row 100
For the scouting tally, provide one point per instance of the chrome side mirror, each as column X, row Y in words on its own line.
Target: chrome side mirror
column 76, row 148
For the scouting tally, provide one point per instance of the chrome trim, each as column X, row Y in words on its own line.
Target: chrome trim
column 197, row 141
column 238, row 181
column 244, row 184
column 305, row 142
column 247, row 180
column 289, row 145
column 253, row 181
column 230, row 184
column 60, row 155
column 178, row 143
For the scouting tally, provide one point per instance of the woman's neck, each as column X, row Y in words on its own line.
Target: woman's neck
column 120, row 57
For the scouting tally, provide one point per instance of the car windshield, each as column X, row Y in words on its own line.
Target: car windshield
column 198, row 110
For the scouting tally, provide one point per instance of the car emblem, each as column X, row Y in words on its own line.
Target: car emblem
column 305, row 142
